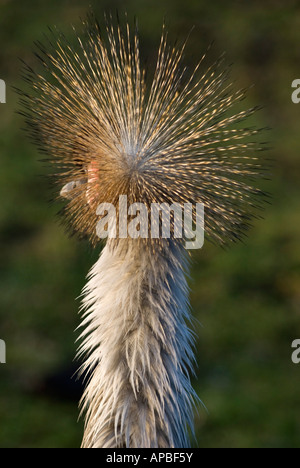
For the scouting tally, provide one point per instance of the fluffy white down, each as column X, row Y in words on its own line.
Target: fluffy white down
column 137, row 347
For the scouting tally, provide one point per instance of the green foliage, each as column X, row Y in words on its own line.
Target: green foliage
column 247, row 298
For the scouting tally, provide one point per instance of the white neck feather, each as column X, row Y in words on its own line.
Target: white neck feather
column 138, row 348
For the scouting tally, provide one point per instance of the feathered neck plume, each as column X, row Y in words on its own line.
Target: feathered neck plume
column 173, row 140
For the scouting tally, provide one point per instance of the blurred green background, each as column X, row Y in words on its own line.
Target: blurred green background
column 247, row 299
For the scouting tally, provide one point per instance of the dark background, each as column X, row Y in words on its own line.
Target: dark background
column 247, row 299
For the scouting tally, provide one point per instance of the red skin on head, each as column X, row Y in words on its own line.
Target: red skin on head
column 92, row 172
